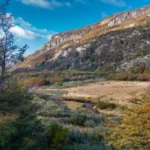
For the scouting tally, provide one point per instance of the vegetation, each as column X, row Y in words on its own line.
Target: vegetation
column 114, row 51
column 9, row 52
column 79, row 118
column 31, row 121
column 51, row 109
column 133, row 132
column 57, row 136
column 106, row 105
column 71, row 78
column 130, row 77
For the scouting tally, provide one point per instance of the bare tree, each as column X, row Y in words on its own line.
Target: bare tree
column 10, row 53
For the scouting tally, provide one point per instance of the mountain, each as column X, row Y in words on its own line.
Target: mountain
column 118, row 42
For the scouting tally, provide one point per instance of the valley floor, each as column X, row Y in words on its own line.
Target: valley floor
column 119, row 92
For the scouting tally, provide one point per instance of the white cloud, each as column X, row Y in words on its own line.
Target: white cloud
column 118, row 3
column 41, row 3
column 24, row 24
column 20, row 32
column 45, row 3
column 26, row 30
column 26, row 33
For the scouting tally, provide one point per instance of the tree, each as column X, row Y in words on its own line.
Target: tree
column 57, row 136
column 134, row 132
column 23, row 131
column 10, row 53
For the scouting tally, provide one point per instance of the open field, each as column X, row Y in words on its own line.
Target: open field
column 116, row 91
column 119, row 92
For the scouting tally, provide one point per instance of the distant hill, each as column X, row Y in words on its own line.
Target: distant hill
column 118, row 42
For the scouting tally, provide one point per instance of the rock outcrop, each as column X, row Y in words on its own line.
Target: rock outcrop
column 109, row 21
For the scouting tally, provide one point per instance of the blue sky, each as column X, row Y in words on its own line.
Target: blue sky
column 37, row 20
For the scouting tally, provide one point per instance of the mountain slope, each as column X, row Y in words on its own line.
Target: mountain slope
column 117, row 42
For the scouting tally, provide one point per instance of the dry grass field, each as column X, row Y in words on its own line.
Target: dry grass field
column 117, row 91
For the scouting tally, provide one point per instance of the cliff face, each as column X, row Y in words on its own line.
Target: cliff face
column 67, row 36
column 108, row 22
column 73, row 43
column 120, row 18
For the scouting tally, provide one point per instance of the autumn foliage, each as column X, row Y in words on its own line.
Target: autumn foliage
column 134, row 132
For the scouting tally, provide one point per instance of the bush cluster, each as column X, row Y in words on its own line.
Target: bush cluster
column 50, row 109
column 131, row 77
column 85, row 119
column 106, row 105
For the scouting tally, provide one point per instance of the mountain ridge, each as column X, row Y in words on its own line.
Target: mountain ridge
column 81, row 39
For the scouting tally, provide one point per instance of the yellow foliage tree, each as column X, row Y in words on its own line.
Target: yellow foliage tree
column 134, row 131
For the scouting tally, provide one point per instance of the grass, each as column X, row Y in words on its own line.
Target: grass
column 73, row 105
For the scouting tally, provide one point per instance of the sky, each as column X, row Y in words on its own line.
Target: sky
column 35, row 21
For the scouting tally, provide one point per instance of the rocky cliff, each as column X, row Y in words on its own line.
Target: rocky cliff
column 108, row 42
column 108, row 22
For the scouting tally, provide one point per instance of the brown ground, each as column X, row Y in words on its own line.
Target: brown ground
column 116, row 91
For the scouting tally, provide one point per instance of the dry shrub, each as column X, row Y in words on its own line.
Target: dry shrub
column 135, row 100
column 132, row 77
column 56, row 79
column 122, row 76
column 144, row 77
column 34, row 82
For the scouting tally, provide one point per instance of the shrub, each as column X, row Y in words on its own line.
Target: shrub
column 7, row 133
column 51, row 109
column 123, row 76
column 56, row 79
column 34, row 82
column 144, row 77
column 76, row 136
column 132, row 77
column 89, row 123
column 106, row 105
column 14, row 97
column 133, row 133
column 80, row 118
column 77, row 120
column 57, row 136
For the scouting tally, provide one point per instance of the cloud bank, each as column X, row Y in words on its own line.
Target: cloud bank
column 45, row 3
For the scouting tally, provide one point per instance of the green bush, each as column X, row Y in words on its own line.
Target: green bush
column 24, row 130
column 57, row 136
column 106, row 105
column 7, row 133
column 50, row 109
column 89, row 123
column 81, row 118
column 91, row 138
column 76, row 136
column 14, row 97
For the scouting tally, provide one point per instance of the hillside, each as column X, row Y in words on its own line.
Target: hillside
column 118, row 42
